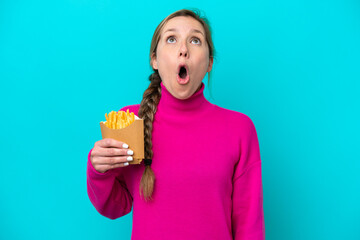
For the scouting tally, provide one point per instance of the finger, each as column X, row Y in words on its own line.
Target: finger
column 104, row 168
column 120, row 165
column 109, row 142
column 111, row 160
column 112, row 152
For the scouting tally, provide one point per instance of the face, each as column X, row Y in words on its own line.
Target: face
column 182, row 56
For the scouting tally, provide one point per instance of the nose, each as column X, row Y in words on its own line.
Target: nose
column 183, row 51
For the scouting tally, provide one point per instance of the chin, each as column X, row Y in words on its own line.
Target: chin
column 182, row 95
column 182, row 92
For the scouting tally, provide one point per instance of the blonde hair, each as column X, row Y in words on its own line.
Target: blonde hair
column 152, row 95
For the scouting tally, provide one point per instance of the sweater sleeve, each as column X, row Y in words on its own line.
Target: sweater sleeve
column 247, row 199
column 108, row 192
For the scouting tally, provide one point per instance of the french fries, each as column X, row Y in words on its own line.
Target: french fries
column 118, row 120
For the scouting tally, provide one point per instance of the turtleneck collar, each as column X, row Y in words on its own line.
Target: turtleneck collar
column 172, row 105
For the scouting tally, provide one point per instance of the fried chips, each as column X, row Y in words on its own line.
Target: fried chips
column 120, row 119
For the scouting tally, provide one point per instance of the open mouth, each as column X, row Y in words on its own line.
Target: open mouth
column 183, row 72
column 183, row 76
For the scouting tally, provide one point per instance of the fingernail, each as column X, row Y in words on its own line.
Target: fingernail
column 125, row 145
column 129, row 158
column 125, row 164
column 130, row 152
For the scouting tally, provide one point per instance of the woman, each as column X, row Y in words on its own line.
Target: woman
column 205, row 159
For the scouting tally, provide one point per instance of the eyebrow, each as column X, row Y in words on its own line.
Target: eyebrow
column 175, row 30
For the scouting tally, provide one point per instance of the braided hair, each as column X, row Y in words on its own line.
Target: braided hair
column 147, row 111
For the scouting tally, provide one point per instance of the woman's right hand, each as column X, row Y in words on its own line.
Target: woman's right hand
column 109, row 153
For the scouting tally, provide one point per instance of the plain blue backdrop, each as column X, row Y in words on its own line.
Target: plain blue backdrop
column 292, row 66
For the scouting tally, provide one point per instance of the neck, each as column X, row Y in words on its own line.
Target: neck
column 172, row 105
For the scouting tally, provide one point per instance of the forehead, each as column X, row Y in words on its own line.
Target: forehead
column 184, row 24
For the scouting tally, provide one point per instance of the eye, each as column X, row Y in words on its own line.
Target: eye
column 196, row 41
column 171, row 39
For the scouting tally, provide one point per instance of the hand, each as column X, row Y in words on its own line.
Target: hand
column 109, row 153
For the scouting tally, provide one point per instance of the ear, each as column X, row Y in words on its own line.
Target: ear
column 154, row 62
column 211, row 60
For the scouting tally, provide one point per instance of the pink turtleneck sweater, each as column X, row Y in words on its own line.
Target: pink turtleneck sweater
column 207, row 170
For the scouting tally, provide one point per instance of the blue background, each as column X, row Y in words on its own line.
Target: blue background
column 292, row 66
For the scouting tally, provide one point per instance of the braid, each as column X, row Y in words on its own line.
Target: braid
column 147, row 111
